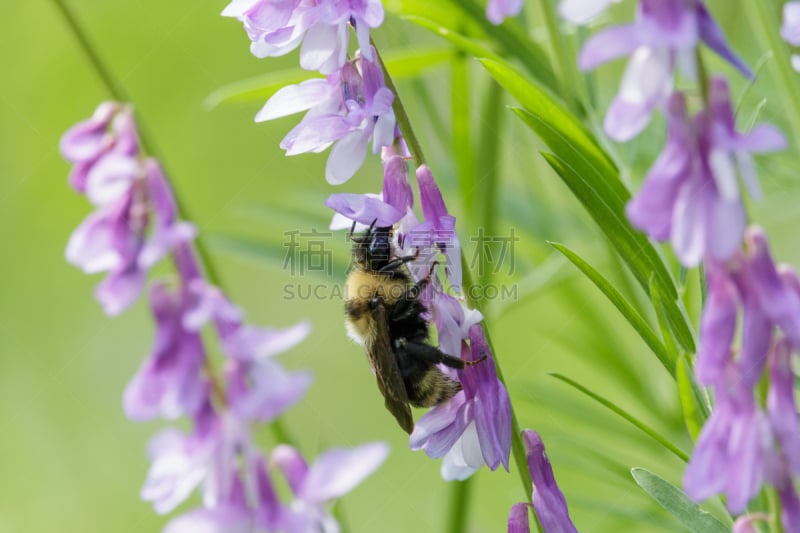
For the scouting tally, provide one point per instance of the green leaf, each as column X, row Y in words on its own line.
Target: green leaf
column 693, row 403
column 628, row 311
column 468, row 18
column 680, row 454
column 594, row 179
column 677, row 503
column 402, row 63
column 672, row 321
column 274, row 254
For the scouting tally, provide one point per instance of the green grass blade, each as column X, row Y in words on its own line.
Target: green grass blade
column 677, row 503
column 693, row 403
column 680, row 454
column 468, row 18
column 403, row 64
column 628, row 311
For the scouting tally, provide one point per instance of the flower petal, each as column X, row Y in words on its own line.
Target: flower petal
column 338, row 471
column 295, row 98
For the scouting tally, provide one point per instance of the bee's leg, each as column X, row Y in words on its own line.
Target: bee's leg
column 395, row 263
column 430, row 354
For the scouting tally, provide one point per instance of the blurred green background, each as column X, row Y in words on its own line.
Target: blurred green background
column 71, row 462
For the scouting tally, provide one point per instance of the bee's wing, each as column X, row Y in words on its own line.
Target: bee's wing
column 390, row 381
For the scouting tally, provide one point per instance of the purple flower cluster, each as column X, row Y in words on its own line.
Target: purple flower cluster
column 348, row 108
column 691, row 195
column 474, row 427
column 549, row 503
column 136, row 225
column 135, row 222
column 762, row 441
column 665, row 34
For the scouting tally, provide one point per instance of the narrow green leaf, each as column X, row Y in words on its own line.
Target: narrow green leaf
column 403, row 63
column 594, row 179
column 508, row 39
column 628, row 311
column 460, row 117
column 275, row 254
column 677, row 503
column 693, row 404
column 673, row 322
column 650, row 432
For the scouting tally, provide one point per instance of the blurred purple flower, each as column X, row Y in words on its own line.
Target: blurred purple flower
column 135, row 223
column 498, row 10
column 260, row 389
column 109, row 131
column 691, row 193
column 276, row 27
column 518, row 518
column 548, row 501
column 736, row 434
column 665, row 32
column 474, row 427
column 744, row 524
column 170, row 382
column 347, row 109
column 334, row 474
column 749, row 282
column 790, row 29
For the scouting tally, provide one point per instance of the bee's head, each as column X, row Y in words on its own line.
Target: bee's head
column 373, row 250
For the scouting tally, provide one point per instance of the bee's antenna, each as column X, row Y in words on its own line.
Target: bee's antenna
column 371, row 227
column 352, row 230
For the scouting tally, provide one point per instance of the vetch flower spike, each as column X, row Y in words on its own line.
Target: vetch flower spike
column 665, row 32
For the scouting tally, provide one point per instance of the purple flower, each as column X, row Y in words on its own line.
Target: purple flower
column 110, row 130
column 737, row 434
column 498, row 10
column 548, row 501
column 334, row 473
column 276, row 27
column 135, row 224
column 180, row 462
column 474, row 427
column 260, row 389
column 347, row 109
column 582, row 11
column 790, row 29
column 781, row 409
column 518, row 518
column 666, row 31
column 395, row 202
column 437, row 230
column 691, row 193
column 453, row 322
column 170, row 382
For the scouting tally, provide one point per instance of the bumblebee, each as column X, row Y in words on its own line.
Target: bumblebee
column 383, row 312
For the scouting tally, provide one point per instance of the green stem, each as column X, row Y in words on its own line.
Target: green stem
column 517, row 445
column 403, row 122
column 702, row 75
column 459, row 508
column 782, row 63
